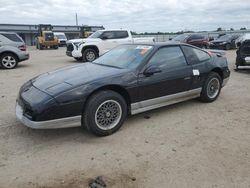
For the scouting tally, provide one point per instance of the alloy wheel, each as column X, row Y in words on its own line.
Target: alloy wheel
column 9, row 62
column 108, row 114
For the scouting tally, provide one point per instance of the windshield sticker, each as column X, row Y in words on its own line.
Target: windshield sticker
column 143, row 49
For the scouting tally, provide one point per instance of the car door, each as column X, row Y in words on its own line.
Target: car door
column 108, row 40
column 170, row 74
column 198, row 59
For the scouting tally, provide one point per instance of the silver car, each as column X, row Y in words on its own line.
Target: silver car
column 12, row 50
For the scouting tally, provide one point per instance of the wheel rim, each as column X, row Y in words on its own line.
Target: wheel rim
column 9, row 62
column 90, row 56
column 108, row 114
column 213, row 88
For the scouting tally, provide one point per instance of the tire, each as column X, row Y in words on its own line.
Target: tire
column 78, row 58
column 212, row 87
column 98, row 111
column 55, row 47
column 8, row 61
column 89, row 55
column 228, row 47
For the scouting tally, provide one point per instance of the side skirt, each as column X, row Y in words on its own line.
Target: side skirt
column 164, row 101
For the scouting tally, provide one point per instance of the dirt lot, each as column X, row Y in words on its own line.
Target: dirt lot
column 190, row 144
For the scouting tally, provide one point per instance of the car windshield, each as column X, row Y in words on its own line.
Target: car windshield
column 61, row 36
column 180, row 37
column 96, row 34
column 125, row 56
column 225, row 37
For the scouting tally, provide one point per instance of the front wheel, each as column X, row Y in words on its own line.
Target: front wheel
column 89, row 55
column 211, row 88
column 104, row 113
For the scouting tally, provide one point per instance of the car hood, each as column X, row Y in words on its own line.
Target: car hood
column 61, row 80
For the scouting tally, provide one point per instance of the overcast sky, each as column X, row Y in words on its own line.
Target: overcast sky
column 137, row 15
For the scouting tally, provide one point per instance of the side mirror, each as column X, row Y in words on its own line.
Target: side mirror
column 151, row 71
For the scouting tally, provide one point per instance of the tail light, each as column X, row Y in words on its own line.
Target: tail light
column 22, row 48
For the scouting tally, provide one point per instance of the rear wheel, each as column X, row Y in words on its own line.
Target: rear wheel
column 211, row 88
column 8, row 61
column 89, row 55
column 104, row 113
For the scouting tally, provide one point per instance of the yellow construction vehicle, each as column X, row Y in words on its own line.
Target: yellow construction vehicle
column 86, row 31
column 45, row 37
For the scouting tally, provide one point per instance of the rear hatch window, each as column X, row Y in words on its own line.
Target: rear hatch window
column 12, row 37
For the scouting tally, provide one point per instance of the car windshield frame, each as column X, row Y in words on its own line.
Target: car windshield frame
column 127, row 56
column 96, row 35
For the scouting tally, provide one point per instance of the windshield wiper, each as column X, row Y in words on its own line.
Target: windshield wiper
column 107, row 65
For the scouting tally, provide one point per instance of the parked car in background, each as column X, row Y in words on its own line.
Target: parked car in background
column 224, row 42
column 243, row 54
column 62, row 39
column 193, row 39
column 242, row 38
column 12, row 50
column 100, row 42
column 128, row 79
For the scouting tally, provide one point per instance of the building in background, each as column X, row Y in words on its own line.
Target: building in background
column 29, row 32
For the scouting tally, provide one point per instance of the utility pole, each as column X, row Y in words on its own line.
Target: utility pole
column 76, row 20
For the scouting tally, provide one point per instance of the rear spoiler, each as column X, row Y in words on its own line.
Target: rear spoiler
column 219, row 53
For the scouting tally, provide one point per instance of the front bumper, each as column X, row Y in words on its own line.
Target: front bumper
column 69, row 53
column 50, row 124
column 73, row 51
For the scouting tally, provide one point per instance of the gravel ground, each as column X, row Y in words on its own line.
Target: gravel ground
column 190, row 144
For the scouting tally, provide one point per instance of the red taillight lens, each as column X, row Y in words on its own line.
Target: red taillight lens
column 22, row 48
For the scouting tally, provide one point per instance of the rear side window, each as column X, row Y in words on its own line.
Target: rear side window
column 121, row 34
column 202, row 56
column 12, row 37
column 109, row 34
column 194, row 55
column 168, row 57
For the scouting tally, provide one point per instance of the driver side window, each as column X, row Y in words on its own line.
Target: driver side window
column 168, row 58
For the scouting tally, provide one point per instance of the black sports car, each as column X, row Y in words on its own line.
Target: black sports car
column 224, row 42
column 243, row 54
column 127, row 80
